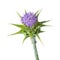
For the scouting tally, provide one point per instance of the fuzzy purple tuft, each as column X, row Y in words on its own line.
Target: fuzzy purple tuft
column 29, row 19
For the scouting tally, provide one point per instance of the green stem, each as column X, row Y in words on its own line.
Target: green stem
column 35, row 48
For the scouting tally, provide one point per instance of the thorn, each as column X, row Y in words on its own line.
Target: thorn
column 38, row 12
column 19, row 15
column 25, row 11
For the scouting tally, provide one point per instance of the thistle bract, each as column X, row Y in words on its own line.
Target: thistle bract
column 29, row 19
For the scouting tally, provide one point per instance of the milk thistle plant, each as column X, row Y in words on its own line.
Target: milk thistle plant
column 30, row 27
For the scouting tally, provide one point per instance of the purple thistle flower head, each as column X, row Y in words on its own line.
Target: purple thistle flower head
column 29, row 19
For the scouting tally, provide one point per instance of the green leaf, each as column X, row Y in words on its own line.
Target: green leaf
column 19, row 32
column 19, row 14
column 45, row 21
column 23, row 27
column 42, row 31
column 25, row 38
column 38, row 30
column 39, row 38
column 18, row 25
column 41, row 24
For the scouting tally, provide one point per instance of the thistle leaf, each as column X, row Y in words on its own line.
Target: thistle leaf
column 39, row 38
column 19, row 15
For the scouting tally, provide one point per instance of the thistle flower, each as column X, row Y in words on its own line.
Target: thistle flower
column 29, row 19
column 30, row 27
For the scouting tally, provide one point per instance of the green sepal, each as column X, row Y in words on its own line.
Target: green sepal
column 44, row 21
column 40, row 24
column 19, row 32
column 25, row 38
column 24, row 29
column 18, row 25
column 39, row 38
column 38, row 12
column 37, row 27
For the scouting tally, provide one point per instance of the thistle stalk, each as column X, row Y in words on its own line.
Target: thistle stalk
column 35, row 48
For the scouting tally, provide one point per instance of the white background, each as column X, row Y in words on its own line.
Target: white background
column 11, row 47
